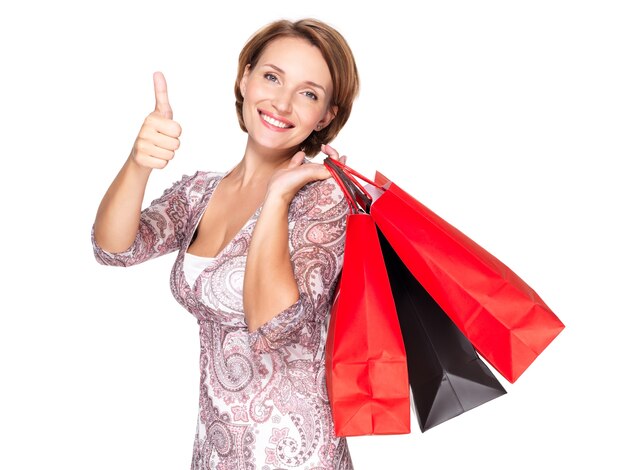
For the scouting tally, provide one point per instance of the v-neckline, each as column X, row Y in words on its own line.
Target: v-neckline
column 235, row 236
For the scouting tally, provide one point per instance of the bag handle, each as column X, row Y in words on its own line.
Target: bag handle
column 356, row 194
column 348, row 193
column 351, row 172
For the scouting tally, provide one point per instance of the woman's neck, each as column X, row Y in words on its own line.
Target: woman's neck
column 258, row 167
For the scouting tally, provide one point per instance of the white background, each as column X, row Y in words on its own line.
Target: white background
column 505, row 118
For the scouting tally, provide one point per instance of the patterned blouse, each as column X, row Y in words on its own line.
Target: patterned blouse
column 263, row 400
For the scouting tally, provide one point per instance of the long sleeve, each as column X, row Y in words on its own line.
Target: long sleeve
column 317, row 222
column 161, row 227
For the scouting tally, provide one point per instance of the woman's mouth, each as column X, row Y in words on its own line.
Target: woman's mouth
column 274, row 122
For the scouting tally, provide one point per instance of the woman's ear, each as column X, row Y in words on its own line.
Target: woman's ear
column 328, row 117
column 244, row 81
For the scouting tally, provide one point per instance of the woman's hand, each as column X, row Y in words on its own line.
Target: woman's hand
column 117, row 219
column 286, row 182
column 158, row 137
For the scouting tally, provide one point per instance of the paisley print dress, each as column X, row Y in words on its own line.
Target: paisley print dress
column 263, row 403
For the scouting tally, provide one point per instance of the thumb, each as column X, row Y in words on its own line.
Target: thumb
column 160, row 93
column 297, row 159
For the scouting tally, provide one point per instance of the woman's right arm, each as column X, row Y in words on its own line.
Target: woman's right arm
column 118, row 218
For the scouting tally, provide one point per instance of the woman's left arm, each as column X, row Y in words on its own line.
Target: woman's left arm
column 270, row 286
column 269, row 283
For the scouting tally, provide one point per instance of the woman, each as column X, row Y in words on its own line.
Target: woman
column 259, row 248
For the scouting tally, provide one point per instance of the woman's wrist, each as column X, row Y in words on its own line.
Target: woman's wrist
column 136, row 168
column 136, row 174
column 277, row 199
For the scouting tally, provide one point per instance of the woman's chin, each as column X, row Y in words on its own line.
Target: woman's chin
column 274, row 146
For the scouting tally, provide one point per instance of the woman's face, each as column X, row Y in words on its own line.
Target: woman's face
column 286, row 95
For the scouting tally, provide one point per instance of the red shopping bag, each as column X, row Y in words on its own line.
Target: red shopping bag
column 501, row 315
column 366, row 369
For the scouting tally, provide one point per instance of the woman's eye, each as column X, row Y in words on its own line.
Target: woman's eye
column 271, row 77
column 310, row 94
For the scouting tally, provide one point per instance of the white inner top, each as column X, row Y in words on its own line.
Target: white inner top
column 193, row 265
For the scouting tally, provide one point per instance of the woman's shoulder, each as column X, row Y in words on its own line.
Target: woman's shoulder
column 203, row 175
column 199, row 180
column 194, row 185
column 320, row 199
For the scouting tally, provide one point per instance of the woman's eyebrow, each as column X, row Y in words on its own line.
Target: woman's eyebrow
column 308, row 82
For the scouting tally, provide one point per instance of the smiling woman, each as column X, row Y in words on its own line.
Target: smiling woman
column 287, row 94
column 259, row 248
column 320, row 41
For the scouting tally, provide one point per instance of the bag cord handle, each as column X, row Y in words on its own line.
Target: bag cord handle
column 355, row 193
column 352, row 173
column 350, row 197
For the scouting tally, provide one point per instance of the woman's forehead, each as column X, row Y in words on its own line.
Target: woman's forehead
column 296, row 57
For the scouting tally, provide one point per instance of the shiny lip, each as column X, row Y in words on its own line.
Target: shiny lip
column 273, row 116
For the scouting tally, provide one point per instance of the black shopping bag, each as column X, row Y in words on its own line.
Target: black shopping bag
column 446, row 376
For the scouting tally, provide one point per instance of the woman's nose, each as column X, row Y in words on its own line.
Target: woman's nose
column 282, row 101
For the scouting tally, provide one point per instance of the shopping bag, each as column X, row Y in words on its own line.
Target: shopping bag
column 446, row 376
column 366, row 370
column 501, row 315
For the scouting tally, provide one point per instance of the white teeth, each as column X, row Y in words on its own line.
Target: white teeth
column 273, row 121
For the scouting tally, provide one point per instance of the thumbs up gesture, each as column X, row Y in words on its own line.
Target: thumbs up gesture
column 158, row 137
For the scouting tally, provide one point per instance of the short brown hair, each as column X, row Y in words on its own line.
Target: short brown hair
column 338, row 57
